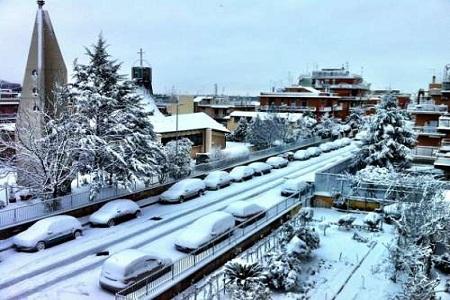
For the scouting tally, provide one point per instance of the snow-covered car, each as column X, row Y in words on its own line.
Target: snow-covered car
column 335, row 144
column 287, row 155
column 182, row 190
column 346, row 141
column 326, row 147
column 202, row 232
column 126, row 267
column 48, row 231
column 260, row 168
column 313, row 151
column 277, row 162
column 217, row 179
column 243, row 211
column 294, row 187
column 115, row 211
column 241, row 173
column 301, row 155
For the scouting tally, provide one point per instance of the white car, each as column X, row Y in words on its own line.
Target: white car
column 287, row 155
column 313, row 151
column 242, row 173
column 325, row 147
column 260, row 168
column 124, row 268
column 277, row 162
column 293, row 187
column 301, row 155
column 182, row 190
column 243, row 211
column 346, row 141
column 217, row 179
column 335, row 144
column 115, row 211
column 200, row 234
column 48, row 231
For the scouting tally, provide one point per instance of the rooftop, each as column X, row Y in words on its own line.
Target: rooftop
column 195, row 121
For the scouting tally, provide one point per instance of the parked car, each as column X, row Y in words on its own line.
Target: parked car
column 203, row 231
column 346, row 141
column 277, row 162
column 217, row 179
column 326, row 147
column 335, row 144
column 313, row 151
column 260, row 168
column 48, row 231
column 124, row 268
column 114, row 212
column 294, row 187
column 287, row 155
column 244, row 211
column 242, row 173
column 301, row 155
column 182, row 190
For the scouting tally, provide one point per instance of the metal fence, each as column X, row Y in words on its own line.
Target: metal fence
column 39, row 209
column 149, row 287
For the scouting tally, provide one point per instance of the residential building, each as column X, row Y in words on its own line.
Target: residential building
column 302, row 99
column 203, row 131
column 170, row 105
column 9, row 101
column 235, row 116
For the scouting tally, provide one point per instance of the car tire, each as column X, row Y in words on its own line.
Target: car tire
column 137, row 214
column 111, row 223
column 77, row 234
column 40, row 246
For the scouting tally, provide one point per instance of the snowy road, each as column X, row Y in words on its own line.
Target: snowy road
column 71, row 270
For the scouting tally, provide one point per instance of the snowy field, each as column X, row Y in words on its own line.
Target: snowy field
column 71, row 270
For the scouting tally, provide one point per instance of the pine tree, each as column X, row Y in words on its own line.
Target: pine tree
column 240, row 133
column 389, row 139
column 178, row 156
column 118, row 143
column 356, row 120
column 259, row 135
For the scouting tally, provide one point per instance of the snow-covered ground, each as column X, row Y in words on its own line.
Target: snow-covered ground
column 70, row 270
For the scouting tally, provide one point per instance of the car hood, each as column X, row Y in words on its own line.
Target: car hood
column 27, row 238
column 171, row 194
column 100, row 217
column 193, row 241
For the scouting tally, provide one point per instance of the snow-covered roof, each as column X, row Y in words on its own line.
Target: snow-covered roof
column 200, row 98
column 293, row 117
column 194, row 121
column 298, row 95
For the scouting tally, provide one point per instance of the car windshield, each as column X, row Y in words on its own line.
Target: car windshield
column 39, row 227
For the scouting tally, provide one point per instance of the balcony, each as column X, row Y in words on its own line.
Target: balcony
column 444, row 123
column 428, row 131
column 429, row 108
column 286, row 108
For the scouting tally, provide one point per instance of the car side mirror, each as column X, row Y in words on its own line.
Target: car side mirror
column 50, row 232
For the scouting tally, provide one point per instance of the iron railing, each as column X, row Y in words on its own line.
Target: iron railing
column 149, row 287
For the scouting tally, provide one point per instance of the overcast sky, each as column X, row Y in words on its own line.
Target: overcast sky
column 245, row 46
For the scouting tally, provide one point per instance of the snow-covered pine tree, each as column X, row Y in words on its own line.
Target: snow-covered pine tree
column 240, row 133
column 389, row 138
column 356, row 120
column 259, row 134
column 118, row 143
column 178, row 156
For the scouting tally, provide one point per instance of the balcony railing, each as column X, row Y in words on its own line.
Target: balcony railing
column 425, row 151
column 444, row 122
column 427, row 130
column 286, row 108
column 427, row 107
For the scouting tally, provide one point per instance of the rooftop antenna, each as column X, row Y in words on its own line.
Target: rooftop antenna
column 362, row 71
column 40, row 3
